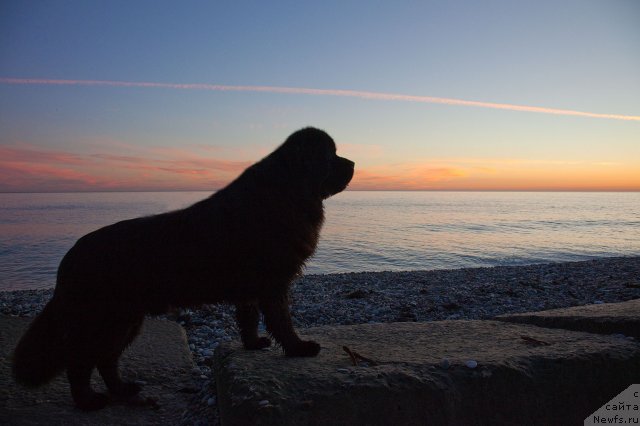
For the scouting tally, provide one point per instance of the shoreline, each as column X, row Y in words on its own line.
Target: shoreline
column 537, row 280
column 370, row 297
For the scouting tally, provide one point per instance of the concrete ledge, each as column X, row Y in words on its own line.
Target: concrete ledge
column 159, row 356
column 605, row 318
column 524, row 375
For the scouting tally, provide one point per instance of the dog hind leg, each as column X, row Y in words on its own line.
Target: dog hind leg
column 107, row 365
column 79, row 375
column 82, row 346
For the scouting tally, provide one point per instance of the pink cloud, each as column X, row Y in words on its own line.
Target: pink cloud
column 42, row 177
column 28, row 153
column 182, row 161
column 29, row 168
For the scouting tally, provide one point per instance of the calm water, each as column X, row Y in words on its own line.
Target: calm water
column 364, row 231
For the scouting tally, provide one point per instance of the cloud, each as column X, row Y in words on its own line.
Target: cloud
column 183, row 161
column 30, row 168
column 405, row 177
column 27, row 153
column 319, row 92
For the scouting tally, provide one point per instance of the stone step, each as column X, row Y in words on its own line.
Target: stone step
column 604, row 318
column 159, row 357
column 524, row 375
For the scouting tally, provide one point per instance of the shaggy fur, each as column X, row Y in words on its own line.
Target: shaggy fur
column 242, row 245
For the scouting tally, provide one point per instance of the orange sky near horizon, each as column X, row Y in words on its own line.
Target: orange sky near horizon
column 26, row 168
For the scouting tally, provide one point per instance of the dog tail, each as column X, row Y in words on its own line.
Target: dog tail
column 39, row 355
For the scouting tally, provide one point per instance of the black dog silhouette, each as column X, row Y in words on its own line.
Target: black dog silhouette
column 242, row 245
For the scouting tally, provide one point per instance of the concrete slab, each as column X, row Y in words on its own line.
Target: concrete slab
column 524, row 375
column 604, row 318
column 159, row 356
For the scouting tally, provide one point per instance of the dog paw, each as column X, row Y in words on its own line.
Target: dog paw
column 263, row 342
column 91, row 401
column 304, row 348
column 259, row 343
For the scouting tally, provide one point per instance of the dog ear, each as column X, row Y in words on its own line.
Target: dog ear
column 316, row 161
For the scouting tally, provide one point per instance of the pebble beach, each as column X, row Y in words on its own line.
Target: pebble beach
column 371, row 297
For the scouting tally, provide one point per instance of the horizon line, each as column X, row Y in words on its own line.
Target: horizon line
column 211, row 191
column 318, row 92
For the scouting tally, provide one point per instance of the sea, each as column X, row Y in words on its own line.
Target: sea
column 363, row 231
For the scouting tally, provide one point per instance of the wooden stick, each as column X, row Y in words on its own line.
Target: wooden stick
column 533, row 341
column 354, row 360
column 356, row 357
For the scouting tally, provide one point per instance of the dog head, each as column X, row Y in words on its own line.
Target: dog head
column 310, row 156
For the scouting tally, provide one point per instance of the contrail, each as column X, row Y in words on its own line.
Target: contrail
column 319, row 92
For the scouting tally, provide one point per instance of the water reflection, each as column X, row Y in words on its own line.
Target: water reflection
column 364, row 231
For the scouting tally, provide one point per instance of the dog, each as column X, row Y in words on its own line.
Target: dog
column 242, row 245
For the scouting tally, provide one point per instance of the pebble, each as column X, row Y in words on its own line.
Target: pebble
column 343, row 370
column 211, row 401
column 471, row 363
column 445, row 364
column 263, row 403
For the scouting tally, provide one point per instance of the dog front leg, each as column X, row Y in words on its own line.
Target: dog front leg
column 278, row 321
column 247, row 317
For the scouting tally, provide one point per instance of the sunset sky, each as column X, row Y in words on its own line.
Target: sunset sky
column 422, row 95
